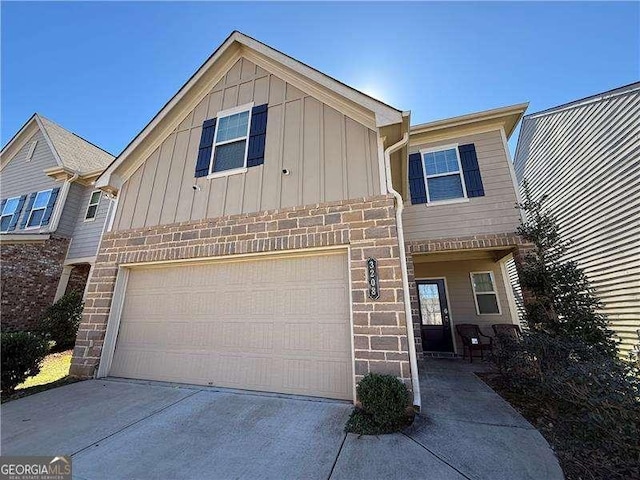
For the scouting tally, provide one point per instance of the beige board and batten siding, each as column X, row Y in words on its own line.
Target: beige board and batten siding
column 329, row 156
column 586, row 159
column 495, row 212
column 21, row 176
column 278, row 324
column 87, row 233
column 460, row 292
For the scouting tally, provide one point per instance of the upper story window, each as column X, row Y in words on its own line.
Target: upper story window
column 92, row 208
column 485, row 293
column 9, row 209
column 38, row 208
column 231, row 140
column 443, row 174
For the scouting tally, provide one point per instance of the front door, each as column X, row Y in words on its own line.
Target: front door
column 434, row 316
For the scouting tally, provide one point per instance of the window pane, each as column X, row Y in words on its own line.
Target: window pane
column 42, row 199
column 4, row 223
column 482, row 282
column 444, row 161
column 445, row 188
column 430, row 305
column 36, row 218
column 233, row 126
column 10, row 206
column 229, row 156
column 91, row 212
column 95, row 198
column 487, row 303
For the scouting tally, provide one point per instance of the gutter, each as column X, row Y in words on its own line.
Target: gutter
column 53, row 226
column 403, row 263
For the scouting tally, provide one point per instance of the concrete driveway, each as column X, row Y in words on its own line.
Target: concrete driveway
column 119, row 429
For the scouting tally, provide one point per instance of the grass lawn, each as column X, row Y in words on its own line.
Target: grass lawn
column 53, row 373
column 54, row 367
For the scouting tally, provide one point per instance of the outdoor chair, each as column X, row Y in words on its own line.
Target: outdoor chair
column 507, row 330
column 473, row 340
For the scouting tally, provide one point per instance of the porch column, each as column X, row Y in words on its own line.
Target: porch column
column 519, row 254
column 63, row 282
column 415, row 307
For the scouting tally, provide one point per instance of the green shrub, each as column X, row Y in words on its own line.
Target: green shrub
column 62, row 319
column 22, row 354
column 384, row 406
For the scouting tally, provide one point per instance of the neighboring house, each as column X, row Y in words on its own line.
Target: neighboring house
column 51, row 218
column 585, row 156
column 257, row 242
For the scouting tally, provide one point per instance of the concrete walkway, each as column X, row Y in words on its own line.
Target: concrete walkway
column 120, row 429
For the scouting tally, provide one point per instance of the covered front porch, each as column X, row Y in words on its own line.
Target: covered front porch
column 454, row 287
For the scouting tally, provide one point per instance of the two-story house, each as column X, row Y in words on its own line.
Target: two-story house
column 51, row 218
column 584, row 156
column 278, row 230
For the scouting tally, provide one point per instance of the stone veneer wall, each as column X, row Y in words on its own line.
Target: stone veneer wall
column 30, row 274
column 476, row 242
column 367, row 225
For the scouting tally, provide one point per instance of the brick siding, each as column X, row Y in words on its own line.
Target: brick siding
column 30, row 275
column 78, row 278
column 477, row 242
column 367, row 225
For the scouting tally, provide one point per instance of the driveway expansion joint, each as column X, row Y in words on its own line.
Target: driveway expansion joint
column 97, row 442
column 435, row 455
column 335, row 462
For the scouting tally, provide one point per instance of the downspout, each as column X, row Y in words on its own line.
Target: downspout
column 403, row 263
column 53, row 226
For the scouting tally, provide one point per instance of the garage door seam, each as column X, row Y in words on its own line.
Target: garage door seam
column 335, row 462
column 134, row 423
column 435, row 455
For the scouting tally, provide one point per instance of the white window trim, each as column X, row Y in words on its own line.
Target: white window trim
column 493, row 292
column 97, row 205
column 2, row 214
column 441, row 148
column 35, row 227
column 225, row 113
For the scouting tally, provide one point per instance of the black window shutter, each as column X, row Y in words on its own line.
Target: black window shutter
column 16, row 216
column 206, row 147
column 257, row 135
column 471, row 170
column 2, row 205
column 46, row 218
column 416, row 179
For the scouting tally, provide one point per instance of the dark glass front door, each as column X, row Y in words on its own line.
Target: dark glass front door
column 434, row 316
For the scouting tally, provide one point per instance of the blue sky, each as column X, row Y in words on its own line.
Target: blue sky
column 103, row 70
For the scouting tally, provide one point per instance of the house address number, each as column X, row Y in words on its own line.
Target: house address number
column 372, row 278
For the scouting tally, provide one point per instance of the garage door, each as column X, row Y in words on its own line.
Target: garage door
column 278, row 325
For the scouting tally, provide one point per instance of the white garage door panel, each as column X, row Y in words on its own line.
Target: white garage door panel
column 277, row 325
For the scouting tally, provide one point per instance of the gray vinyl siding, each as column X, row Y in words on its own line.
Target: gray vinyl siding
column 87, row 234
column 329, row 156
column 586, row 158
column 68, row 218
column 21, row 177
column 493, row 213
column 515, row 287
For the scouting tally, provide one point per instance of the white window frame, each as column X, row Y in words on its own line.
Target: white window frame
column 222, row 114
column 27, row 227
column 97, row 205
column 2, row 214
column 493, row 292
column 426, row 177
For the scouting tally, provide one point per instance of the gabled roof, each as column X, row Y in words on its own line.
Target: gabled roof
column 352, row 101
column 71, row 151
column 505, row 117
